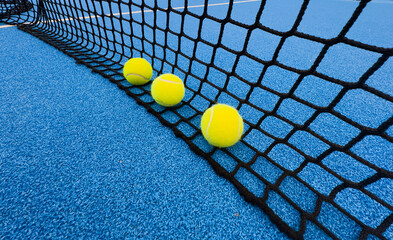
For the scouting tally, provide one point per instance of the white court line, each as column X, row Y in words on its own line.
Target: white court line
column 371, row 2
column 7, row 26
column 128, row 13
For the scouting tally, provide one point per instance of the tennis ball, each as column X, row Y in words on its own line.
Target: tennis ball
column 137, row 71
column 222, row 125
column 167, row 90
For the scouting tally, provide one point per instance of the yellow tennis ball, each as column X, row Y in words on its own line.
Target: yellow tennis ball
column 167, row 90
column 222, row 125
column 137, row 71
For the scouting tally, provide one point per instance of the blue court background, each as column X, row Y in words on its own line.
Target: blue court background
column 81, row 159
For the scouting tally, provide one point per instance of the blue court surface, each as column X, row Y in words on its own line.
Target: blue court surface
column 81, row 159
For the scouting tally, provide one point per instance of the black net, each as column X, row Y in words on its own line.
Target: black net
column 11, row 10
column 316, row 154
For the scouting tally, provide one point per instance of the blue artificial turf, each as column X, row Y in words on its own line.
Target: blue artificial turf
column 80, row 159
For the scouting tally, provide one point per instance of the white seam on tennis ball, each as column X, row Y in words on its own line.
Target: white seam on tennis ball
column 161, row 103
column 137, row 75
column 169, row 81
column 208, row 125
